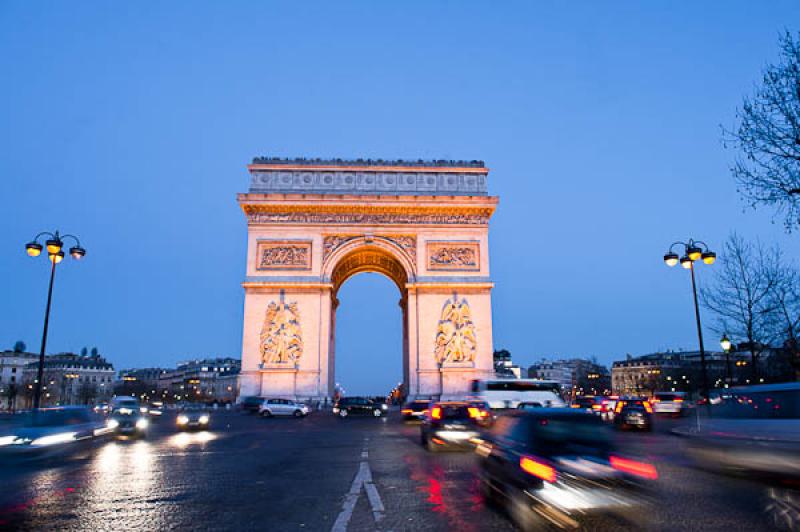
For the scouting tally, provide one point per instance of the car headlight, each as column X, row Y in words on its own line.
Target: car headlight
column 143, row 410
column 335, row 410
column 55, row 439
column 384, row 407
column 7, row 440
column 203, row 419
column 141, row 424
column 182, row 420
column 112, row 423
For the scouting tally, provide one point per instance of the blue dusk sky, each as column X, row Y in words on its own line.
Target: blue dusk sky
column 130, row 125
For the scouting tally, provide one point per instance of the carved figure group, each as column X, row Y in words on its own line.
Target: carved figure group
column 454, row 256
column 455, row 336
column 284, row 256
column 281, row 335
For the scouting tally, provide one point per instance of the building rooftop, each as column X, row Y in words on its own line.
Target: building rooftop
column 272, row 175
column 302, row 161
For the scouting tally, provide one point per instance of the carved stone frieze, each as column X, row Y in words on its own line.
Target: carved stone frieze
column 455, row 334
column 281, row 335
column 479, row 218
column 332, row 242
column 284, row 255
column 454, row 256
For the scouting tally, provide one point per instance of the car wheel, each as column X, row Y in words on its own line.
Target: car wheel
column 377, row 412
column 523, row 515
column 266, row 413
column 342, row 413
column 298, row 413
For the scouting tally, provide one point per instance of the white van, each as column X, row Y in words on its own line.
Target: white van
column 509, row 393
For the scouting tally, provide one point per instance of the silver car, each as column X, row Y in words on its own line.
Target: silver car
column 283, row 407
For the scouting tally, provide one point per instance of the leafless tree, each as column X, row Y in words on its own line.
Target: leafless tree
column 768, row 135
column 740, row 295
column 785, row 312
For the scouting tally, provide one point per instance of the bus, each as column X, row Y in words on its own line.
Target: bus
column 509, row 393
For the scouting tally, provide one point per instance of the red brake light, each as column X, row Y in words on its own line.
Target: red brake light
column 596, row 407
column 473, row 412
column 406, row 411
column 678, row 400
column 436, row 413
column 633, row 467
column 647, row 407
column 538, row 469
column 618, row 408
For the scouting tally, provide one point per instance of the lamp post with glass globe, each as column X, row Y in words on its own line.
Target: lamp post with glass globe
column 727, row 346
column 693, row 250
column 54, row 245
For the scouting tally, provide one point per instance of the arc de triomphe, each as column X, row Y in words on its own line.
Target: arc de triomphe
column 312, row 224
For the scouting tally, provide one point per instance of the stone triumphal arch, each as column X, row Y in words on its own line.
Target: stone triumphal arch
column 313, row 224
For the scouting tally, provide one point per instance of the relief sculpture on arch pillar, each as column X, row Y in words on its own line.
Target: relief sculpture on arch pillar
column 455, row 344
column 281, row 342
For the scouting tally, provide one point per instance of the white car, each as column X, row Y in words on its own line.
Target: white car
column 283, row 407
column 672, row 403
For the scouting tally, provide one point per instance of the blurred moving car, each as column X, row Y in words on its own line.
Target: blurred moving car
column 193, row 416
column 128, row 422
column 754, row 431
column 529, row 406
column 597, row 404
column 554, row 466
column 155, row 409
column 633, row 413
column 283, row 407
column 355, row 406
column 252, row 404
column 451, row 425
column 102, row 408
column 125, row 404
column 671, row 403
column 415, row 410
column 51, row 432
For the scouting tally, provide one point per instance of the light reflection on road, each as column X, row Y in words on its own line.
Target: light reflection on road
column 184, row 440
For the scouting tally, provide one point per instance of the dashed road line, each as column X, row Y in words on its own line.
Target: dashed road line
column 363, row 479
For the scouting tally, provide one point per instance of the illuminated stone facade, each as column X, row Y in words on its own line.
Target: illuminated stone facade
column 313, row 224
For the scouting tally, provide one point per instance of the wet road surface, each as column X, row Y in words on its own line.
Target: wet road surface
column 322, row 473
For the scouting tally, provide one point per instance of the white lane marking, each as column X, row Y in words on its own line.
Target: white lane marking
column 363, row 479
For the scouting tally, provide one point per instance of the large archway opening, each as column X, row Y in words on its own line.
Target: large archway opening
column 368, row 350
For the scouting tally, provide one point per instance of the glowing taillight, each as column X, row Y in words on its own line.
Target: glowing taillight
column 537, row 469
column 678, row 400
column 474, row 412
column 436, row 413
column 647, row 407
column 640, row 469
column 618, row 408
column 596, row 407
column 406, row 411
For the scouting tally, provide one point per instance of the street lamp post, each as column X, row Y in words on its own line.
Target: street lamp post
column 726, row 345
column 54, row 245
column 694, row 250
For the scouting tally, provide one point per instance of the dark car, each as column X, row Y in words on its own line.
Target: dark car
column 415, row 410
column 252, row 404
column 193, row 417
column 633, row 413
column 553, row 466
column 128, row 423
column 451, row 425
column 359, row 406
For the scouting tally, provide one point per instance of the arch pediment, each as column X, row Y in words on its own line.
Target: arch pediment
column 380, row 254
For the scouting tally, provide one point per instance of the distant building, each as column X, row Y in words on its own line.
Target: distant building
column 69, row 379
column 206, row 380
column 12, row 366
column 679, row 371
column 142, row 383
column 504, row 367
column 577, row 376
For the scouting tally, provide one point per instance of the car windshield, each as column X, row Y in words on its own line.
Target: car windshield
column 193, row 407
column 55, row 418
column 667, row 396
column 564, row 435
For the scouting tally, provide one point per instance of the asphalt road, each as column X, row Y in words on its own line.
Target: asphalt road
column 321, row 474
